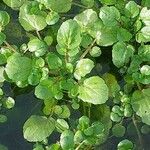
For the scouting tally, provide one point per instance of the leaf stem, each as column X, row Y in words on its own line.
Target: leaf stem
column 87, row 50
column 38, row 34
column 80, row 5
column 79, row 145
column 9, row 46
column 138, row 132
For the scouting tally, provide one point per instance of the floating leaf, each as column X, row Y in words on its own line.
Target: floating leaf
column 140, row 103
column 37, row 128
column 94, row 90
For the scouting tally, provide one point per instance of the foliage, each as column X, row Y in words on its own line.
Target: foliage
column 64, row 56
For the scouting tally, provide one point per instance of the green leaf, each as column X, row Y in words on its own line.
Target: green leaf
column 34, row 77
column 110, row 15
column 146, row 3
column 86, row 19
column 112, row 84
column 9, row 103
column 145, row 129
column 145, row 16
column 95, row 51
column 108, row 2
column 69, row 35
column 140, row 103
column 54, row 62
column 125, row 145
column 3, row 59
column 37, row 128
column 123, row 50
column 3, row 118
column 4, row 18
column 106, row 36
column 118, row 130
column 94, row 90
column 83, row 67
column 14, row 4
column 143, row 35
column 47, row 89
column 87, row 3
column 18, row 71
column 37, row 46
column 67, row 140
column 2, row 147
column 144, row 52
column 123, row 35
column 52, row 18
column 132, row 9
column 32, row 22
column 145, row 70
column 58, row 5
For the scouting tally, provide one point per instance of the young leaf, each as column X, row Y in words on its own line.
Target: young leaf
column 37, row 128
column 52, row 18
column 4, row 18
column 94, row 90
column 37, row 46
column 118, row 130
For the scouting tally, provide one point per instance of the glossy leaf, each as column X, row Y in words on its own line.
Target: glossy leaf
column 37, row 128
column 94, row 90
column 83, row 67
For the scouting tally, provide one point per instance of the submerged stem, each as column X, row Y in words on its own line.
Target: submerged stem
column 9, row 46
column 138, row 132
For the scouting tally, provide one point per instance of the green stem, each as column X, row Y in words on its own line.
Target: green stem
column 138, row 132
column 87, row 50
column 77, row 4
column 38, row 34
column 9, row 46
column 79, row 145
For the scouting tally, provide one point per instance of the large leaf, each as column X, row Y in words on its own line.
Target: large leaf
column 37, row 128
column 60, row 6
column 109, row 15
column 145, row 15
column 86, row 19
column 69, row 35
column 83, row 67
column 121, row 54
column 32, row 22
column 14, row 4
column 18, row 67
column 94, row 90
column 141, row 104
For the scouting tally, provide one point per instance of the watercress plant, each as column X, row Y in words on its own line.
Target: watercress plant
column 67, row 55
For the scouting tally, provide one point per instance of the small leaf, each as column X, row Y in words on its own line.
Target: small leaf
column 52, row 18
column 94, row 90
column 37, row 128
column 67, row 140
column 83, row 67
column 118, row 130
column 4, row 18
column 54, row 62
